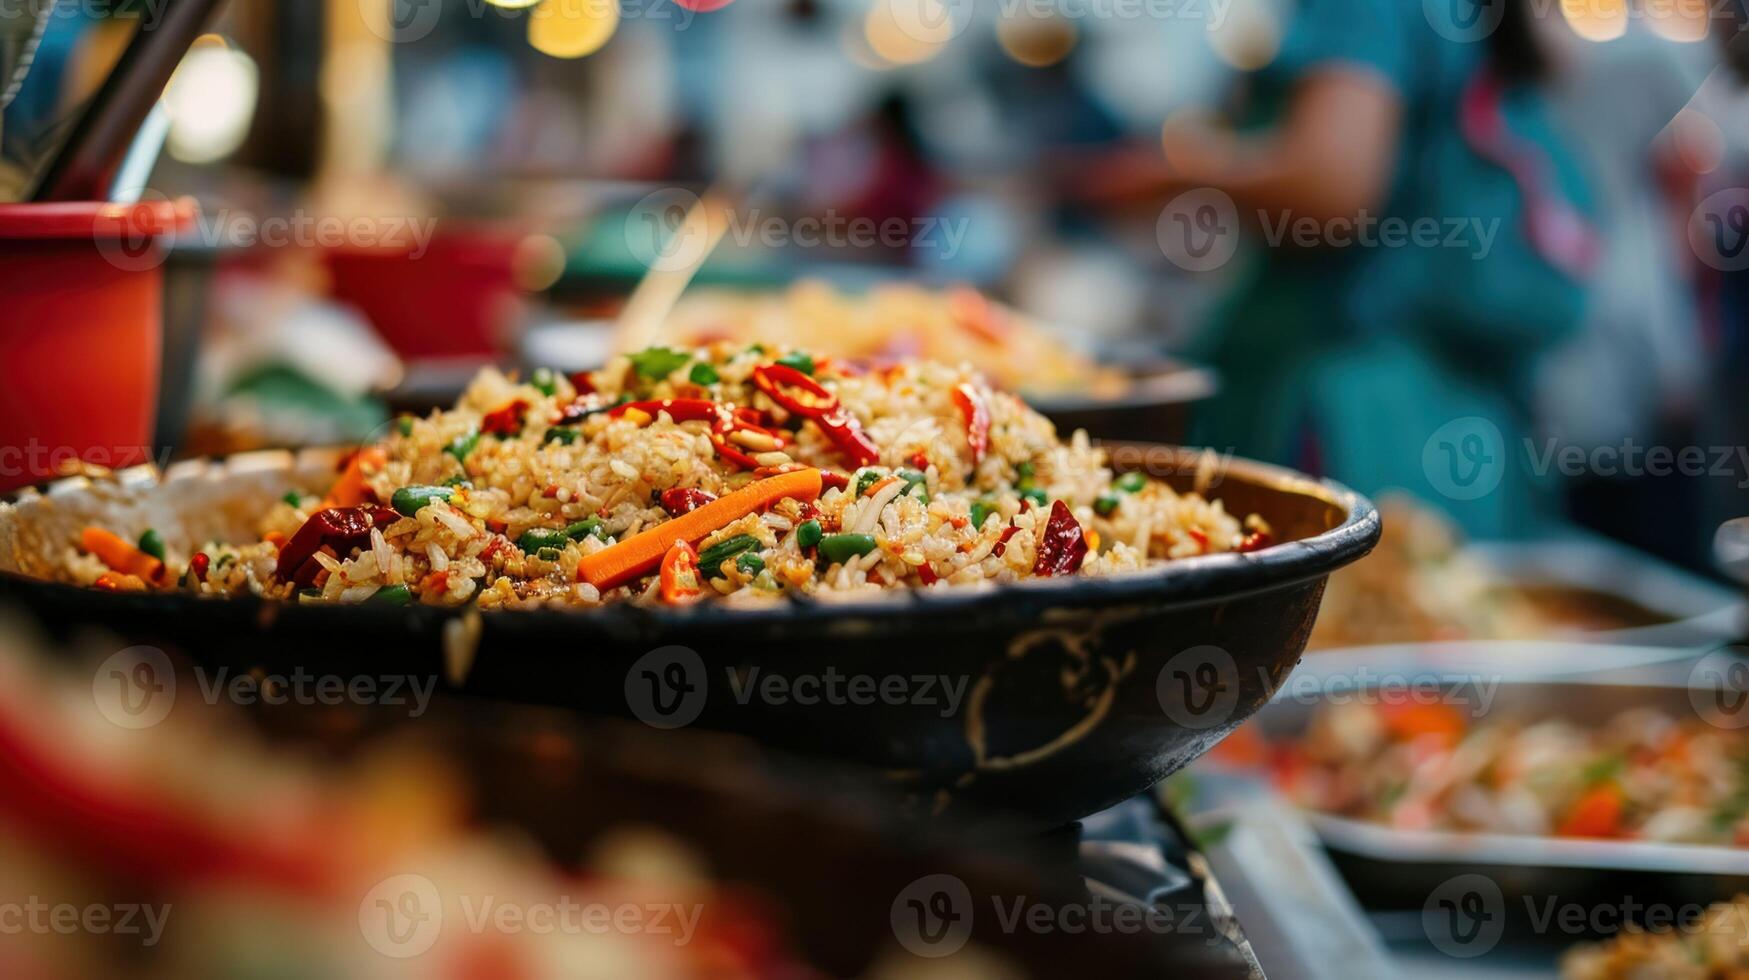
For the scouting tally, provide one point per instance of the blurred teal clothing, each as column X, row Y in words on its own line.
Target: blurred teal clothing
column 1349, row 360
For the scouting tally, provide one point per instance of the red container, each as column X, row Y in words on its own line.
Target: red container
column 459, row 298
column 80, row 328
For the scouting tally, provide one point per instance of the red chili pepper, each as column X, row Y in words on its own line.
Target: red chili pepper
column 496, row 545
column 829, row 480
column 678, row 578
column 802, row 395
column 729, row 454
column 795, row 391
column 340, row 528
column 846, row 435
column 977, row 415
column 1201, row 539
column 920, row 461
column 198, row 566
column 927, row 574
column 1256, row 541
column 584, row 382
column 1064, row 546
column 678, row 409
column 1002, row 542
column 684, row 500
column 506, row 421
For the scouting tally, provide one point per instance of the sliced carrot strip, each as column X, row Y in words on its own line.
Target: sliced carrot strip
column 121, row 555
column 350, row 490
column 641, row 553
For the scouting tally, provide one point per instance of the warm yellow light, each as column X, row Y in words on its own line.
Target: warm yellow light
column 1036, row 41
column 1596, row 20
column 907, row 32
column 513, row 4
column 1678, row 20
column 210, row 101
column 572, row 28
column 1249, row 39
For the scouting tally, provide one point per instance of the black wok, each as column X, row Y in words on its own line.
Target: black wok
column 1050, row 699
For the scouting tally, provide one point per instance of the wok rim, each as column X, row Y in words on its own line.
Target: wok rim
column 1178, row 582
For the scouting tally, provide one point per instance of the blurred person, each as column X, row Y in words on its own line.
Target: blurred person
column 1353, row 360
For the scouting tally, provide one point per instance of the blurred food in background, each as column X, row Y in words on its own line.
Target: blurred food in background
column 899, row 322
column 235, row 860
column 1644, row 775
column 1714, row 945
column 1421, row 585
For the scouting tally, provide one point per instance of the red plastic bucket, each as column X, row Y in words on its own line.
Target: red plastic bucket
column 81, row 317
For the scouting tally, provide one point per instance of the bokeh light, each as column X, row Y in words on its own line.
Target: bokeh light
column 1034, row 40
column 211, row 101
column 907, row 32
column 703, row 6
column 572, row 28
column 1596, row 20
column 1250, row 39
column 513, row 4
column 1684, row 21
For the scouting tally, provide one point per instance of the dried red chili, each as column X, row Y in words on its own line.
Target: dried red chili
column 977, row 417
column 1256, row 541
column 1063, row 547
column 678, row 409
column 339, row 528
column 506, row 421
column 684, row 500
column 199, row 565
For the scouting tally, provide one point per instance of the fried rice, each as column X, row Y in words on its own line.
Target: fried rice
column 669, row 476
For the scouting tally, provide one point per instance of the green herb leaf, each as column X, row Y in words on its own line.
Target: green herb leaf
column 463, row 445
column 545, row 381
column 1131, row 482
column 152, row 544
column 656, row 363
column 1107, row 504
column 801, row 360
column 704, row 374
